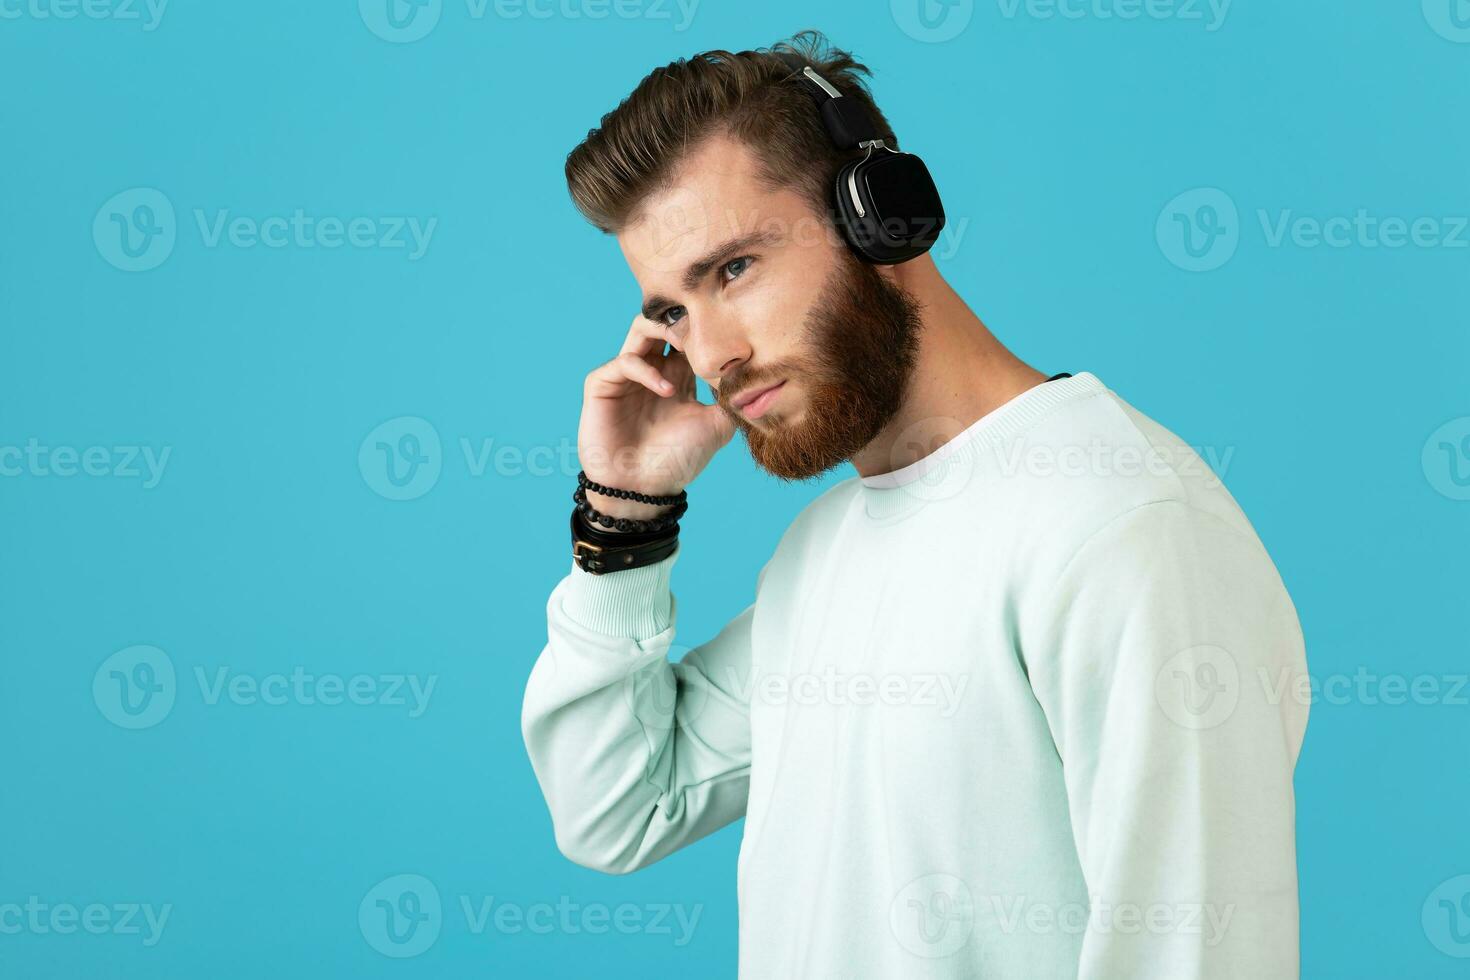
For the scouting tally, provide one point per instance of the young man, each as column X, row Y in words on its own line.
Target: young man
column 1008, row 702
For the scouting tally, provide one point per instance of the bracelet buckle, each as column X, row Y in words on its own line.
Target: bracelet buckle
column 585, row 553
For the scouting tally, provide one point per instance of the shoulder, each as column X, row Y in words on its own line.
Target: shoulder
column 1096, row 459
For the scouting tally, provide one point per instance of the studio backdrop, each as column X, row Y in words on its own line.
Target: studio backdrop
column 295, row 314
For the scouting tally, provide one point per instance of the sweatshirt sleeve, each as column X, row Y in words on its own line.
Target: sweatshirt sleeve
column 637, row 756
column 1169, row 678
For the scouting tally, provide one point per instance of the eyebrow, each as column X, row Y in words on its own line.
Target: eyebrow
column 703, row 266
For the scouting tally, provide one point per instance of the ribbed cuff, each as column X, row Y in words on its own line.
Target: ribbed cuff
column 634, row 602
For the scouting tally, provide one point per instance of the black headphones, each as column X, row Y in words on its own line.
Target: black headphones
column 885, row 202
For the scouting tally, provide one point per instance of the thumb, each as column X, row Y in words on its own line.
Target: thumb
column 720, row 423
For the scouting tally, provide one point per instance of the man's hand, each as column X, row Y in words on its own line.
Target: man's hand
column 643, row 427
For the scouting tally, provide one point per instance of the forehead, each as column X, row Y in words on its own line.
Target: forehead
column 715, row 194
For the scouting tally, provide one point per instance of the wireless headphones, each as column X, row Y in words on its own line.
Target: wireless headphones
column 885, row 203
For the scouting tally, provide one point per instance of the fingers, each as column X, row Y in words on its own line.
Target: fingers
column 677, row 369
column 612, row 379
column 646, row 337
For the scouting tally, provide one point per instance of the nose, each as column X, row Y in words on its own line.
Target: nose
column 716, row 346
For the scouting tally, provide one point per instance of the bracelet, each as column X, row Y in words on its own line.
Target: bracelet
column 662, row 522
column 642, row 498
column 600, row 552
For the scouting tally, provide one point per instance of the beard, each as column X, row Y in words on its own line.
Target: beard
column 862, row 340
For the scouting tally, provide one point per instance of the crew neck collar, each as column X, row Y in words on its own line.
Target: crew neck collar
column 992, row 428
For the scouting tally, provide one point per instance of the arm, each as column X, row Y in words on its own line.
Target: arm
column 635, row 755
column 1167, row 678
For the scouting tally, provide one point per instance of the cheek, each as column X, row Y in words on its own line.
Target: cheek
column 775, row 312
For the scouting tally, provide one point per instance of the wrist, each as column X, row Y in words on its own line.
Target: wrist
column 619, row 507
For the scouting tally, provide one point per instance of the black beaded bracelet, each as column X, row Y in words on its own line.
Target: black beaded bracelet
column 662, row 522
column 642, row 498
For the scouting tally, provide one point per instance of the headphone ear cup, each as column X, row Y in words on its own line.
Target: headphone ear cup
column 860, row 231
column 888, row 207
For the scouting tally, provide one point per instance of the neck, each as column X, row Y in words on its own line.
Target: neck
column 961, row 374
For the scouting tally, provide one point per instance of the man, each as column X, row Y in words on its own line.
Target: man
column 1003, row 703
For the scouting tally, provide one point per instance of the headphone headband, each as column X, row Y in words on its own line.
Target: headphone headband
column 885, row 203
column 844, row 119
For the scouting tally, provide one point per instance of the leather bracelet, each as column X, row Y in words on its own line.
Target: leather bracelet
column 598, row 553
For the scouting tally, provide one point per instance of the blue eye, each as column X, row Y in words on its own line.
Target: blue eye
column 735, row 268
column 668, row 315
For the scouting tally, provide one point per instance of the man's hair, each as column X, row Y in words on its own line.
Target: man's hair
column 751, row 96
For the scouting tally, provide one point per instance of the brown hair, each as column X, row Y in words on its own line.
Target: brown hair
column 751, row 95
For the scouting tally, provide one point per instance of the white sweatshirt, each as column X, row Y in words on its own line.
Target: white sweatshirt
column 1027, row 708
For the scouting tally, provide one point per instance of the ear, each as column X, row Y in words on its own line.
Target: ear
column 909, row 274
column 893, row 274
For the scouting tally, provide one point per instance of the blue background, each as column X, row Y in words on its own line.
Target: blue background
column 265, row 546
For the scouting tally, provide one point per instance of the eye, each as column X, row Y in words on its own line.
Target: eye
column 735, row 268
column 672, row 315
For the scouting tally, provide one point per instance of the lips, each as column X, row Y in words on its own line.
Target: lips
column 753, row 403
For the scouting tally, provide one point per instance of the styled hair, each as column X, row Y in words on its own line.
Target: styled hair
column 751, row 96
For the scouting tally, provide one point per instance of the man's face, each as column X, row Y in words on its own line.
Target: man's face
column 760, row 291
